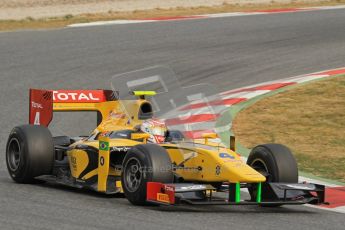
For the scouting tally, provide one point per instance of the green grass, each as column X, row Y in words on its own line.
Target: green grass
column 309, row 119
column 322, row 166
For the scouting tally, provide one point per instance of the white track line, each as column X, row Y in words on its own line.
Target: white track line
column 114, row 22
column 246, row 94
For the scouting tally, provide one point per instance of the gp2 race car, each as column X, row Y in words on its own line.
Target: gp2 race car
column 117, row 158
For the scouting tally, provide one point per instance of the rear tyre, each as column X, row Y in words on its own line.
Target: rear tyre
column 62, row 140
column 276, row 162
column 29, row 153
column 144, row 163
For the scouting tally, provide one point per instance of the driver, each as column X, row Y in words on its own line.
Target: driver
column 156, row 128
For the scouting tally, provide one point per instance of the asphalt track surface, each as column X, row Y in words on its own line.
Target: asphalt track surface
column 228, row 52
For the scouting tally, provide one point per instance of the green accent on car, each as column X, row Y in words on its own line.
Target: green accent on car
column 258, row 193
column 238, row 192
column 104, row 146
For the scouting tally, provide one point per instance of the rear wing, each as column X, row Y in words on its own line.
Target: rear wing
column 44, row 102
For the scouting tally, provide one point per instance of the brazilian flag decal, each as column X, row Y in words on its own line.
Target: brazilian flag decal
column 104, row 146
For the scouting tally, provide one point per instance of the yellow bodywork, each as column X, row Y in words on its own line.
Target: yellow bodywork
column 103, row 163
column 202, row 160
column 78, row 160
column 211, row 164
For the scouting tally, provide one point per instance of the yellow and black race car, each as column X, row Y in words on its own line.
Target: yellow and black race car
column 118, row 158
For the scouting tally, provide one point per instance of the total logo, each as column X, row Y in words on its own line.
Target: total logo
column 78, row 96
column 36, row 105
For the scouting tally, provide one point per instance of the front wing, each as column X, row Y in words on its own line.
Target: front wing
column 274, row 194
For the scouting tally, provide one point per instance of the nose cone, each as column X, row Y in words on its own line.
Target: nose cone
column 248, row 175
column 234, row 169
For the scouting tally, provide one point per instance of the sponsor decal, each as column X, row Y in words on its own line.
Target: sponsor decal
column 116, row 115
column 226, row 155
column 101, row 160
column 120, row 149
column 36, row 105
column 217, row 170
column 192, row 187
column 104, row 146
column 41, row 107
column 163, row 198
column 122, row 134
column 168, row 188
column 78, row 96
column 302, row 187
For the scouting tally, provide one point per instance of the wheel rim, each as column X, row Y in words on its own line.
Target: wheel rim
column 14, row 154
column 133, row 174
column 261, row 167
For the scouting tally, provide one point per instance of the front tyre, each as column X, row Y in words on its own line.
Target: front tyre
column 29, row 153
column 144, row 163
column 276, row 162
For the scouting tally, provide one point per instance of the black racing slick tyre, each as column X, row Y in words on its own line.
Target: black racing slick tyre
column 144, row 163
column 29, row 153
column 276, row 162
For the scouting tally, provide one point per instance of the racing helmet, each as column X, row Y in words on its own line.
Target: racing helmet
column 156, row 128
